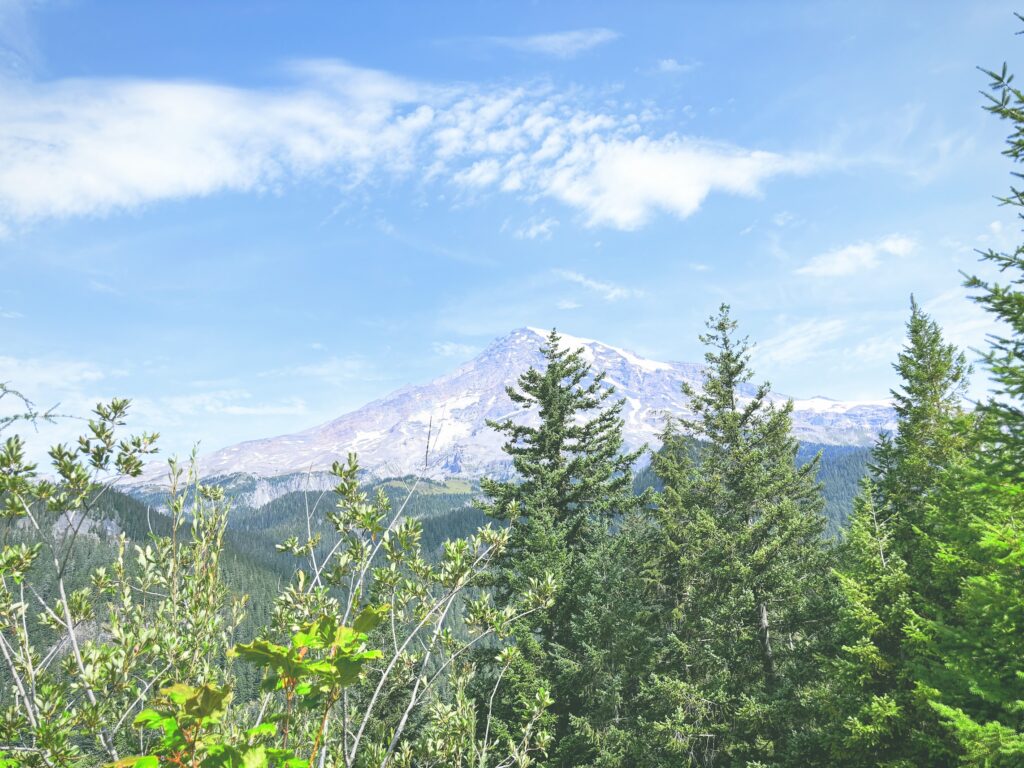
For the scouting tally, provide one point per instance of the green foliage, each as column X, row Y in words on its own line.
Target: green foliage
column 739, row 575
column 889, row 574
column 841, row 468
column 320, row 661
column 94, row 622
column 975, row 681
column 572, row 481
column 189, row 718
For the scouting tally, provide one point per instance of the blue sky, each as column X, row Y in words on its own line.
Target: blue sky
column 251, row 217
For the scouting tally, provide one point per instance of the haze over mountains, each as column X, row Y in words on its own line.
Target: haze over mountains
column 391, row 434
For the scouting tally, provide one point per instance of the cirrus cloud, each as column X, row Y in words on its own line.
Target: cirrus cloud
column 799, row 342
column 856, row 258
column 94, row 147
column 562, row 45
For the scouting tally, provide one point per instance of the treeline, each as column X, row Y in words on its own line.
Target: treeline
column 706, row 621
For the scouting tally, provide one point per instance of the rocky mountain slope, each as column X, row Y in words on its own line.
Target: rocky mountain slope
column 391, row 435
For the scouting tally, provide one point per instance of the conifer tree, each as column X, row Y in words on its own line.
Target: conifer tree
column 570, row 462
column 930, row 438
column 741, row 575
column 572, row 479
column 890, row 577
column 976, row 683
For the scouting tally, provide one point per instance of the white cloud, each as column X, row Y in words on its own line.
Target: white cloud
column 567, row 304
column 621, row 182
column 563, row 45
column 96, row 146
column 30, row 375
column 607, row 291
column 482, row 173
column 64, row 385
column 856, row 258
column 964, row 322
column 10, row 314
column 876, row 349
column 333, row 370
column 798, row 342
column 534, row 229
column 453, row 349
column 230, row 402
column 101, row 287
column 92, row 147
column 673, row 67
column 783, row 218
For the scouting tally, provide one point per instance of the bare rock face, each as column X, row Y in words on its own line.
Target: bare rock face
column 439, row 429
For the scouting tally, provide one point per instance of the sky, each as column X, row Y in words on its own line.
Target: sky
column 252, row 217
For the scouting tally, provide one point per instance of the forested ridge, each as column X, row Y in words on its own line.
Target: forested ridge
column 714, row 609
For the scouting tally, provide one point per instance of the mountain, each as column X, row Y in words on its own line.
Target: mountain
column 391, row 434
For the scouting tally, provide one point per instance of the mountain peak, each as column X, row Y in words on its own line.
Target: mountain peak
column 391, row 434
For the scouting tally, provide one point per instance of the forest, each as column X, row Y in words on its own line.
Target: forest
column 713, row 609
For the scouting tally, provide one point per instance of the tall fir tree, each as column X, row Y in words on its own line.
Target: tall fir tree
column 741, row 575
column 930, row 438
column 890, row 580
column 572, row 480
column 976, row 683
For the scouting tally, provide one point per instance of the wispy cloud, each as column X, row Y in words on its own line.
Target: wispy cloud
column 674, row 67
column 101, row 287
column 537, row 228
column 90, row 147
column 333, row 370
column 562, row 45
column 19, row 54
column 964, row 323
column 31, row 375
column 453, row 349
column 607, row 291
column 875, row 349
column 856, row 258
column 798, row 342
column 231, row 402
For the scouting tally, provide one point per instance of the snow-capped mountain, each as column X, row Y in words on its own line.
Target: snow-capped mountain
column 391, row 434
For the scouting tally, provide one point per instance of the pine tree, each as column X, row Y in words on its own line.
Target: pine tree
column 741, row 574
column 890, row 578
column 930, row 438
column 572, row 480
column 976, row 683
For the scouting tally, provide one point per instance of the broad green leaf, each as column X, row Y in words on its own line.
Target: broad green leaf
column 369, row 619
column 136, row 761
column 179, row 693
column 263, row 729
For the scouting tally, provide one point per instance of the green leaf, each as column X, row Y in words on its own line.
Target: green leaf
column 255, row 757
column 149, row 718
column 208, row 702
column 369, row 619
column 179, row 693
column 137, row 761
column 263, row 729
